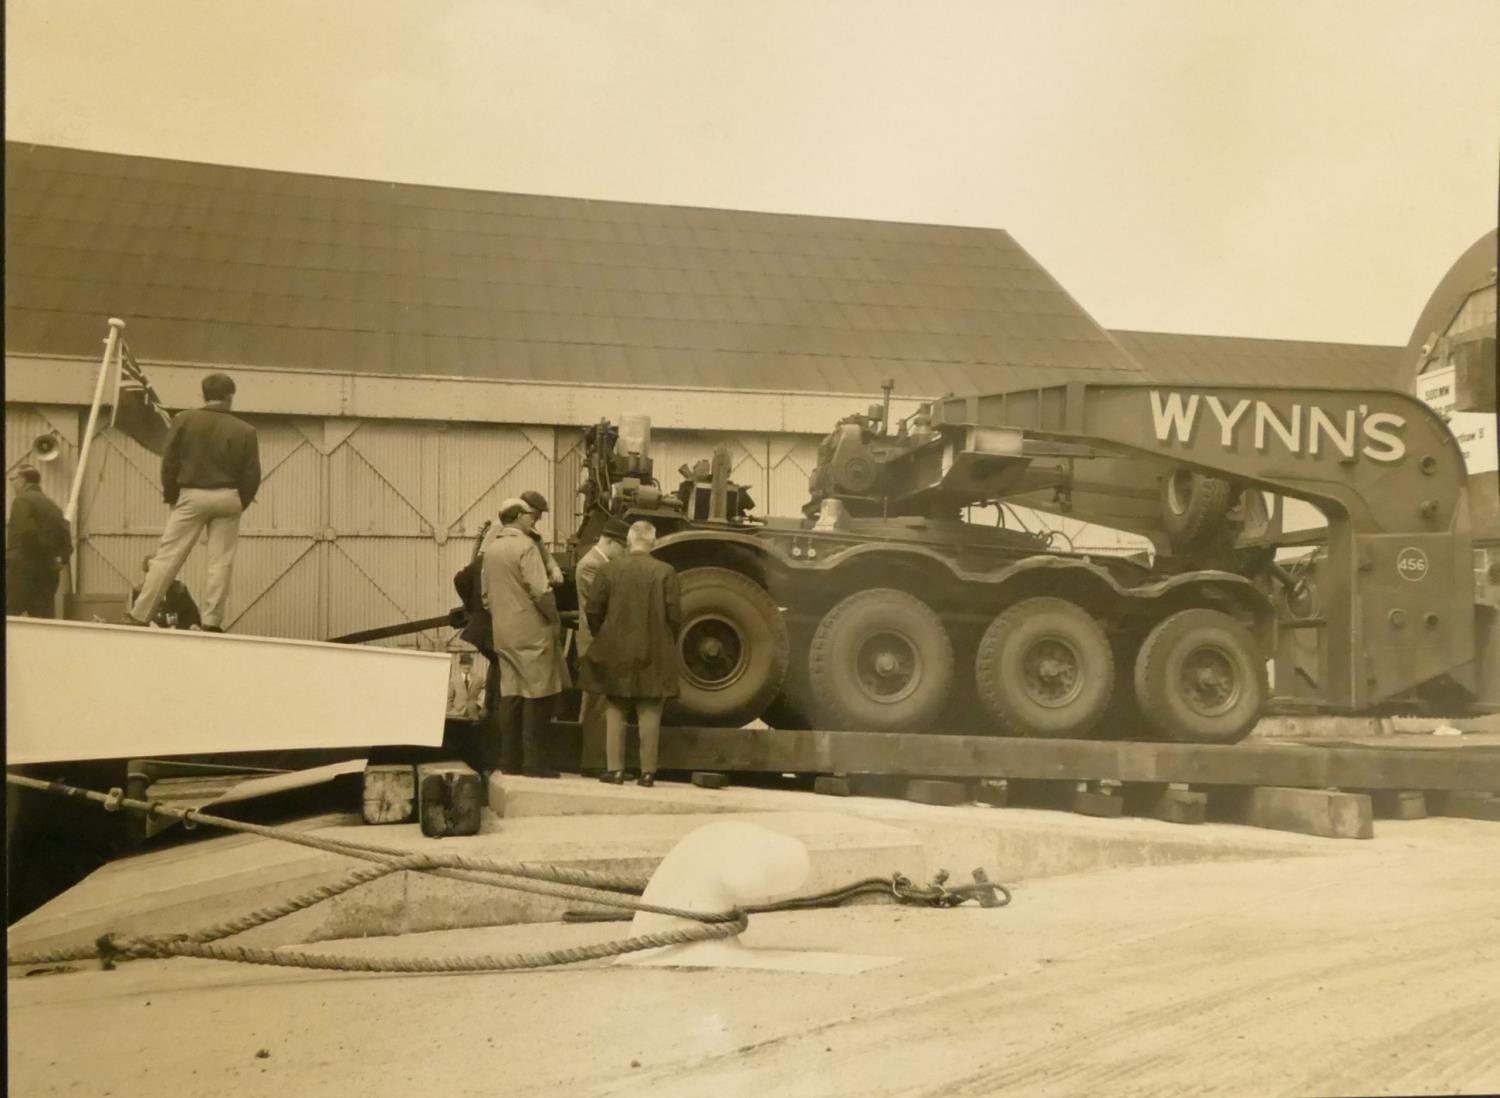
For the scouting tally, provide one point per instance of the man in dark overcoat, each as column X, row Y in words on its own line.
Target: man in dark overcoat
column 38, row 542
column 634, row 611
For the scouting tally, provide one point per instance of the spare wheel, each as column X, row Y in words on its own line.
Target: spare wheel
column 881, row 661
column 1193, row 506
column 732, row 649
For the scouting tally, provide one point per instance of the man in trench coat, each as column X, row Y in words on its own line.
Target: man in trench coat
column 635, row 612
column 526, row 632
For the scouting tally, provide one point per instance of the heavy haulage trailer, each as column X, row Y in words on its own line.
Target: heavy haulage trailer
column 881, row 609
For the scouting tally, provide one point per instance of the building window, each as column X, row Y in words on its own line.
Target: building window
column 1478, row 313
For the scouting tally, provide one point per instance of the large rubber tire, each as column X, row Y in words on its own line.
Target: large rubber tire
column 1193, row 507
column 880, row 661
column 1044, row 668
column 1200, row 678
column 736, row 614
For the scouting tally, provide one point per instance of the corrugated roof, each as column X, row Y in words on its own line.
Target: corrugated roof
column 231, row 265
column 1204, row 360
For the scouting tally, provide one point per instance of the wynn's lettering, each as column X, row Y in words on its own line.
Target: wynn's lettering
column 1301, row 429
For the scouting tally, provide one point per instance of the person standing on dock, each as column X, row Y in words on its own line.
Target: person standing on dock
column 38, row 542
column 526, row 628
column 635, row 613
column 611, row 544
column 210, row 472
column 538, row 504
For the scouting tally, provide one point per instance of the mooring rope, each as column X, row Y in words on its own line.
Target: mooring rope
column 601, row 889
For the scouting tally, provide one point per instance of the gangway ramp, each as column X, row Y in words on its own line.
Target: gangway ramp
column 87, row 690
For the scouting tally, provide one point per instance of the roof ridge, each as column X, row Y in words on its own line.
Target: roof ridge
column 12, row 143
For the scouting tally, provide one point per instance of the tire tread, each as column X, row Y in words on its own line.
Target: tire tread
column 824, row 678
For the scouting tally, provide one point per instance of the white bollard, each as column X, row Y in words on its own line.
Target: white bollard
column 725, row 865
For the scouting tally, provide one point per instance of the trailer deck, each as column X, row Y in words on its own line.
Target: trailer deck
column 1445, row 767
column 1333, row 790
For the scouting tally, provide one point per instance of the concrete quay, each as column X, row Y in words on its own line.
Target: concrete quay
column 1371, row 970
column 626, row 830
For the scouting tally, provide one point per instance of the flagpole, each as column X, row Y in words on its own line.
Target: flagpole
column 111, row 343
column 114, row 404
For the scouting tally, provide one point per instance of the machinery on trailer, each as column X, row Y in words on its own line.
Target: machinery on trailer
column 881, row 609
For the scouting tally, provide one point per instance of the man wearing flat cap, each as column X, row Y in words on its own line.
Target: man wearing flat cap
column 523, row 614
column 611, row 544
column 38, row 542
column 538, row 504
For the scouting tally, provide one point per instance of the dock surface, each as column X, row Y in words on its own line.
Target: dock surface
column 1373, row 968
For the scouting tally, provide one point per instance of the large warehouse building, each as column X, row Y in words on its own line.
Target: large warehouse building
column 412, row 355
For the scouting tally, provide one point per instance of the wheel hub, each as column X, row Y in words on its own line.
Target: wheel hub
column 714, row 654
column 1052, row 671
column 888, row 667
column 1210, row 685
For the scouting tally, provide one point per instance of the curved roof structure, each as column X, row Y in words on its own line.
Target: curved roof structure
column 1470, row 271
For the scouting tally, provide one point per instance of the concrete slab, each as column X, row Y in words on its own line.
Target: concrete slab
column 1012, row 844
column 513, row 796
column 1322, row 812
column 1474, row 806
column 1398, row 804
column 928, row 791
column 189, row 887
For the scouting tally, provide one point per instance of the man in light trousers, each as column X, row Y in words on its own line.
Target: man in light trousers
column 210, row 472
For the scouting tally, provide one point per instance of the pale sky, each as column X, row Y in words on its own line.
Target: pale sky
column 1295, row 169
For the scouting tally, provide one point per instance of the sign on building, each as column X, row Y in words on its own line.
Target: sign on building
column 1475, row 431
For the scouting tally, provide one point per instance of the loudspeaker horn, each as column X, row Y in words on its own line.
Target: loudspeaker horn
column 47, row 447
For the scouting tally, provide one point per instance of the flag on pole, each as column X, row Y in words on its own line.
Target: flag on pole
column 138, row 411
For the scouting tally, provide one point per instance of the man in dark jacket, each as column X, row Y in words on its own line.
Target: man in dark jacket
column 635, row 611
column 210, row 472
column 38, row 542
column 611, row 544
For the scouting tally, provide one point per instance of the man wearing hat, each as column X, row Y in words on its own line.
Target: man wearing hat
column 538, row 504
column 38, row 542
column 611, row 544
column 525, row 625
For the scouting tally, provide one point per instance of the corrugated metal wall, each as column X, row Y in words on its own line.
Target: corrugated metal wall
column 357, row 524
column 362, row 523
column 23, row 423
